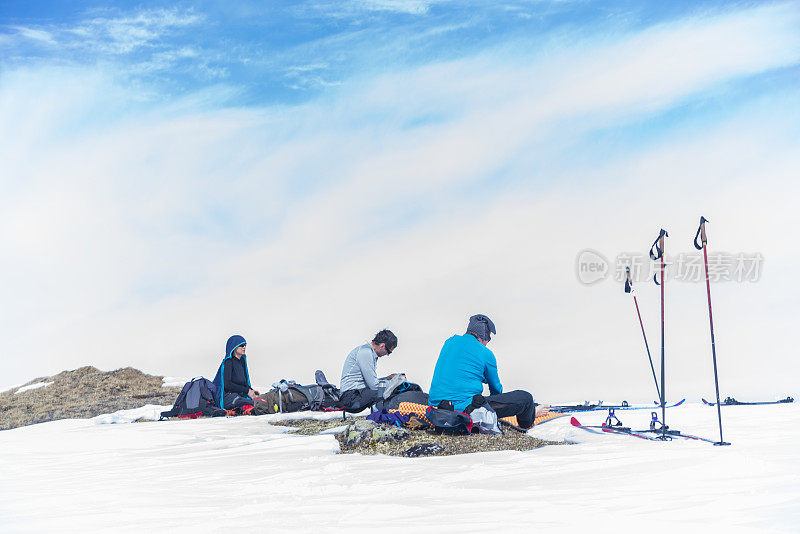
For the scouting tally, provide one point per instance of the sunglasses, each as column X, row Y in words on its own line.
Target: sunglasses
column 388, row 350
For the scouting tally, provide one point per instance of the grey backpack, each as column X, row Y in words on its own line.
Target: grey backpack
column 289, row 396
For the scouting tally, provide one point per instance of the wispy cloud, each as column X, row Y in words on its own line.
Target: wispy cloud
column 125, row 34
column 351, row 10
column 40, row 36
column 112, row 38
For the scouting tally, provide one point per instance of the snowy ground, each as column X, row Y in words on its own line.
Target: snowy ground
column 32, row 386
column 226, row 473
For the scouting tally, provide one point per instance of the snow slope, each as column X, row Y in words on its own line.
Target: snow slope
column 37, row 385
column 79, row 476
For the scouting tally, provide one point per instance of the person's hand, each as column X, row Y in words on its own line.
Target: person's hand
column 391, row 376
column 252, row 393
column 542, row 409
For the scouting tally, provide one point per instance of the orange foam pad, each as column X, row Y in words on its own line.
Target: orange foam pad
column 547, row 417
column 407, row 408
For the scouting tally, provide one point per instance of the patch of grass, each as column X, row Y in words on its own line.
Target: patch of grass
column 510, row 440
column 309, row 427
column 83, row 393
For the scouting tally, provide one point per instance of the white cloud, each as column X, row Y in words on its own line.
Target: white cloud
column 33, row 34
column 145, row 237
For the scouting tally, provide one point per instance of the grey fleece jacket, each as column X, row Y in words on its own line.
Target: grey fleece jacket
column 359, row 370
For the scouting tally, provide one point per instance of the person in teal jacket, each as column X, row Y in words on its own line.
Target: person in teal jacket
column 465, row 364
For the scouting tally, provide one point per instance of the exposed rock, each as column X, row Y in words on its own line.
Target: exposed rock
column 424, row 449
column 363, row 431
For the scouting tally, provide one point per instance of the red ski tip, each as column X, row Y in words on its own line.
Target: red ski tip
column 575, row 422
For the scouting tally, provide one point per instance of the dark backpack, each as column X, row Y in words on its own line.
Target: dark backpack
column 405, row 392
column 449, row 421
column 415, row 396
column 198, row 396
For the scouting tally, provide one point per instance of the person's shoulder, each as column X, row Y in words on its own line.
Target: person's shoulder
column 479, row 348
column 487, row 351
column 366, row 348
column 454, row 341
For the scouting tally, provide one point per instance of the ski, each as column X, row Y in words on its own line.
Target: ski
column 650, row 407
column 679, row 434
column 641, row 434
column 601, row 406
column 586, row 406
column 730, row 401
column 600, row 429
column 668, row 406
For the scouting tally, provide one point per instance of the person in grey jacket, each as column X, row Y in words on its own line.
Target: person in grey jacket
column 360, row 386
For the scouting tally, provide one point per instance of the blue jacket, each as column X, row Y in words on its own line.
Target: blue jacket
column 219, row 380
column 463, row 367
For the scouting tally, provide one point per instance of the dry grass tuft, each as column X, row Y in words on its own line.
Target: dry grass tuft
column 83, row 393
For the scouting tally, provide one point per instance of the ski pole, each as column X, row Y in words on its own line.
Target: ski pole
column 629, row 289
column 658, row 246
column 701, row 233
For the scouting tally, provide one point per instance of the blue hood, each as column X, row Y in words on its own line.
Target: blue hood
column 233, row 342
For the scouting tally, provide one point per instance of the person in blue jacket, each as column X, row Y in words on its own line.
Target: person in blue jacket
column 232, row 379
column 465, row 364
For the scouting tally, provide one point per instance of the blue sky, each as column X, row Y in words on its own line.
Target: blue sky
column 175, row 172
column 289, row 52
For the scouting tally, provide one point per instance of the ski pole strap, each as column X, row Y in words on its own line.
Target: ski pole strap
column 657, row 250
column 701, row 233
column 658, row 245
column 628, row 283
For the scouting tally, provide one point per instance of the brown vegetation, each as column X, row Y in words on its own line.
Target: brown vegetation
column 83, row 393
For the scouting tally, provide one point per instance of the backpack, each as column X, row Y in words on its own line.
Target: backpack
column 404, row 392
column 449, row 421
column 289, row 396
column 417, row 397
column 484, row 418
column 198, row 396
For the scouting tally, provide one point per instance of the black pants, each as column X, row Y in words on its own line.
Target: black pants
column 356, row 400
column 517, row 402
column 234, row 400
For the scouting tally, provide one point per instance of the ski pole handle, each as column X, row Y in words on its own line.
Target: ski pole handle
column 628, row 283
column 701, row 233
column 658, row 245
